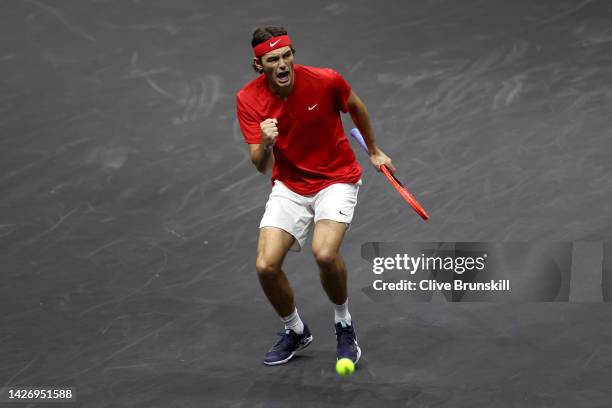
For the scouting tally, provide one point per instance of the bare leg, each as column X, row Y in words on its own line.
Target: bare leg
column 274, row 243
column 326, row 242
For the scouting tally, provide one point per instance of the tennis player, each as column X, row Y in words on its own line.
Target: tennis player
column 290, row 118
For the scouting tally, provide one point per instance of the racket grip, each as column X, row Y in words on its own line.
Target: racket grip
column 356, row 134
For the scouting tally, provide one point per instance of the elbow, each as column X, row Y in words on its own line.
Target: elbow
column 261, row 167
column 261, row 159
column 256, row 164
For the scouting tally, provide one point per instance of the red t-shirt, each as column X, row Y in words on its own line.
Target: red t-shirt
column 311, row 151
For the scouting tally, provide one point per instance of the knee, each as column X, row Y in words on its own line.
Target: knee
column 266, row 269
column 325, row 258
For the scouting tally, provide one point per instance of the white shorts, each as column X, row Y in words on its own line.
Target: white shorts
column 296, row 213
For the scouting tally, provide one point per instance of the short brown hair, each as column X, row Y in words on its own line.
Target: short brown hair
column 262, row 34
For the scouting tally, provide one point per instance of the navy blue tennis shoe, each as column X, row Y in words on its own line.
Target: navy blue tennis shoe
column 347, row 342
column 287, row 345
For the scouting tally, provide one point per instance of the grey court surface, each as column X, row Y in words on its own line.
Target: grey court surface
column 129, row 207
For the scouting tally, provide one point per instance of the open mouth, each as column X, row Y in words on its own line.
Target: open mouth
column 283, row 77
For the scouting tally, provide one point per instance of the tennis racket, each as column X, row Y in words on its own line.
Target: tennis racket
column 407, row 195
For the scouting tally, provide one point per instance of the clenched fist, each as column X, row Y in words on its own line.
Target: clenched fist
column 269, row 132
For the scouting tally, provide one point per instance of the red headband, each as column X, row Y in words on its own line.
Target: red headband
column 271, row 44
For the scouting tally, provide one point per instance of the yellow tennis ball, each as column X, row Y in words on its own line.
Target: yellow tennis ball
column 345, row 367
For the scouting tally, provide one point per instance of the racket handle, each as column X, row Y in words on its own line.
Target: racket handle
column 356, row 134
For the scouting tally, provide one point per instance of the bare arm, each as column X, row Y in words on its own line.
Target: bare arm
column 361, row 118
column 261, row 154
column 262, row 157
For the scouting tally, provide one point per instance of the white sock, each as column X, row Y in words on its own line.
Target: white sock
column 341, row 313
column 293, row 322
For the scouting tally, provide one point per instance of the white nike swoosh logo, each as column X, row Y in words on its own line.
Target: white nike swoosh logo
column 313, row 106
column 272, row 44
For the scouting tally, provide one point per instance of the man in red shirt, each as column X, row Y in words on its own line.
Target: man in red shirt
column 290, row 118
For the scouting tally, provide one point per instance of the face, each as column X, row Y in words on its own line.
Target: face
column 277, row 66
